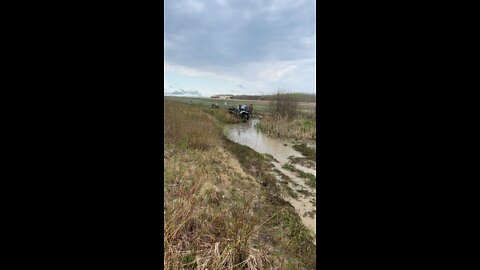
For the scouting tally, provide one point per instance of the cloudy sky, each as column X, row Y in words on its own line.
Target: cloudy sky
column 239, row 46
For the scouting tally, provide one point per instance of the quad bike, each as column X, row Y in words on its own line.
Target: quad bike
column 241, row 112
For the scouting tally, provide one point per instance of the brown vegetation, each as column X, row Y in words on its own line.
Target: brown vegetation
column 223, row 115
column 286, row 120
column 222, row 205
column 190, row 127
column 284, row 106
column 281, row 127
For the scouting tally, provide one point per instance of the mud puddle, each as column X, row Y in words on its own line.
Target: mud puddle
column 247, row 134
column 305, row 204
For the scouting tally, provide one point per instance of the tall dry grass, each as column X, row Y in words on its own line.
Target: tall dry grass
column 219, row 211
column 209, row 221
column 188, row 126
column 208, row 224
column 301, row 128
column 223, row 115
column 283, row 105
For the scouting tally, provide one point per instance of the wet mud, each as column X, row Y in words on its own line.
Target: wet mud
column 280, row 152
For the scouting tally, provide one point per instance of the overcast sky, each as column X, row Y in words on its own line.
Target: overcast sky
column 239, row 46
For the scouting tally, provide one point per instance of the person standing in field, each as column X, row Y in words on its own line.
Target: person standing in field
column 250, row 109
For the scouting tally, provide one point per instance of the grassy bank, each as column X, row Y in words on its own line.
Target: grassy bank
column 223, row 208
column 223, row 116
column 301, row 127
column 287, row 119
column 308, row 152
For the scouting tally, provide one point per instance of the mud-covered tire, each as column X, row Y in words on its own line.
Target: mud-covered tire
column 244, row 116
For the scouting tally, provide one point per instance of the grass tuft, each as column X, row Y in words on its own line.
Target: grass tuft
column 308, row 152
column 290, row 167
column 311, row 179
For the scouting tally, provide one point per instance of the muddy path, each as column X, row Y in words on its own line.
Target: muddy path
column 281, row 152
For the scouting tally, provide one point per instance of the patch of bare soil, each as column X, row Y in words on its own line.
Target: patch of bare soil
column 305, row 192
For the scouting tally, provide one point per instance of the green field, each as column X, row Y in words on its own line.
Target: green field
column 258, row 105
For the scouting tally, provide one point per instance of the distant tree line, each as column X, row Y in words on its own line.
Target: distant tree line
column 297, row 97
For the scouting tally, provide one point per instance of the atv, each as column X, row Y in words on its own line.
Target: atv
column 241, row 112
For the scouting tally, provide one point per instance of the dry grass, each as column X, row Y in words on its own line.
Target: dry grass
column 222, row 211
column 209, row 222
column 301, row 128
column 284, row 105
column 222, row 115
column 188, row 127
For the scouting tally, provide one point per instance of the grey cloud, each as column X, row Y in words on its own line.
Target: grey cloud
column 238, row 33
column 262, row 44
column 183, row 92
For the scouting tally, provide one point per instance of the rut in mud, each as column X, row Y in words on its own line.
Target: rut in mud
column 294, row 173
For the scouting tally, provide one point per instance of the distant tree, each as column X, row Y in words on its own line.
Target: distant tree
column 283, row 104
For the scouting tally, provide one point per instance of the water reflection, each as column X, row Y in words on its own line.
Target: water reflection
column 247, row 134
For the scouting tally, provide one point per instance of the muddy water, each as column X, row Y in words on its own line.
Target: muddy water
column 247, row 134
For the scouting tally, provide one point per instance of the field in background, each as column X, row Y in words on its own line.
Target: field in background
column 258, row 105
column 299, row 97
